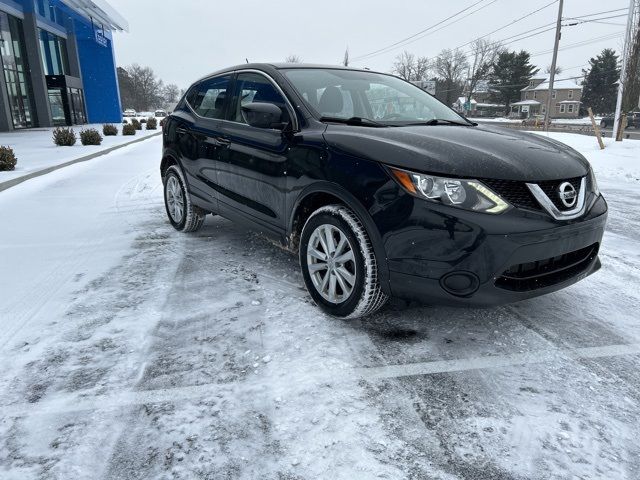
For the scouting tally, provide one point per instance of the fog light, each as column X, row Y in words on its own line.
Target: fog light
column 461, row 284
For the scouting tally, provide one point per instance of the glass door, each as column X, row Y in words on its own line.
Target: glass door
column 14, row 66
column 56, row 102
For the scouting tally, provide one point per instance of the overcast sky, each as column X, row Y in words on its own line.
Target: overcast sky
column 187, row 39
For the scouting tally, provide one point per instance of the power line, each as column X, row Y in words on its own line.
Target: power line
column 578, row 21
column 601, row 13
column 423, row 33
column 509, row 24
column 580, row 44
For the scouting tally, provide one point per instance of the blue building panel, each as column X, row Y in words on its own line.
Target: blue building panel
column 99, row 77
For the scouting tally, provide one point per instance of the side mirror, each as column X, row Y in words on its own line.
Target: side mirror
column 263, row 115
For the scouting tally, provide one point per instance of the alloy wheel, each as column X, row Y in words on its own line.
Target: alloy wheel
column 331, row 263
column 175, row 199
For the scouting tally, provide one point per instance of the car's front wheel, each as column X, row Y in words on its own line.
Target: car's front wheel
column 183, row 215
column 339, row 265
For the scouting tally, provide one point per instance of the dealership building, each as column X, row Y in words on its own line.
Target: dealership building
column 58, row 63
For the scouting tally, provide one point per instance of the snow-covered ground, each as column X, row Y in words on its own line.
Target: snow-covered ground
column 36, row 151
column 586, row 121
column 131, row 351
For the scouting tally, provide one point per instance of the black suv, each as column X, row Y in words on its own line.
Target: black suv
column 383, row 190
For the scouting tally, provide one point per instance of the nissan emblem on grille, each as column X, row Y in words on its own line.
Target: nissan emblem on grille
column 568, row 195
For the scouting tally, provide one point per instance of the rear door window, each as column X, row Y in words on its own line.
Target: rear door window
column 208, row 99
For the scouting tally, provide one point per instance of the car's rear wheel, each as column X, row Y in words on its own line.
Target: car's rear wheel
column 183, row 215
column 339, row 265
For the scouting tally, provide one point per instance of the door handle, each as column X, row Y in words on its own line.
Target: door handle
column 181, row 131
column 223, row 142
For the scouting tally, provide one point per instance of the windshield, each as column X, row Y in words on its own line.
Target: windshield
column 345, row 94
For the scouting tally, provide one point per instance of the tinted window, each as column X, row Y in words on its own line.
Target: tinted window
column 207, row 99
column 253, row 87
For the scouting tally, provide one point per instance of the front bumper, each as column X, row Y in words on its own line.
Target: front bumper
column 502, row 262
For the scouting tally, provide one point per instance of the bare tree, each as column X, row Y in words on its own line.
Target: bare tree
column 410, row 67
column 345, row 59
column 558, row 69
column 293, row 59
column 139, row 87
column 171, row 94
column 484, row 53
column 450, row 67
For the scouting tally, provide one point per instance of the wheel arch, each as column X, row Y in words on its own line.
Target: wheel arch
column 321, row 194
column 168, row 158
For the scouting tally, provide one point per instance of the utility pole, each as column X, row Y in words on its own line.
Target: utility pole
column 552, row 74
column 623, row 70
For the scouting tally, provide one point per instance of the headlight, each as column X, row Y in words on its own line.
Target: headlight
column 467, row 194
column 593, row 184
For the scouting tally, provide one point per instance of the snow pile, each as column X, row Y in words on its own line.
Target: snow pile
column 619, row 159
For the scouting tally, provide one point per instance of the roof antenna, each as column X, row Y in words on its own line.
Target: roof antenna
column 247, row 60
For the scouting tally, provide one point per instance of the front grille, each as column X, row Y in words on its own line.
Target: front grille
column 516, row 193
column 544, row 273
column 550, row 188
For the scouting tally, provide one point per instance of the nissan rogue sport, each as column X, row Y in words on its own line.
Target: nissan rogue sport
column 380, row 188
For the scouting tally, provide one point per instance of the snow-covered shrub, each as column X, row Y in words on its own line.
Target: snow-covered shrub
column 152, row 123
column 136, row 124
column 143, row 120
column 64, row 137
column 109, row 130
column 90, row 136
column 128, row 129
column 8, row 159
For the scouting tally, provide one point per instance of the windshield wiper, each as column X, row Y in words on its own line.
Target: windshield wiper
column 359, row 121
column 441, row 121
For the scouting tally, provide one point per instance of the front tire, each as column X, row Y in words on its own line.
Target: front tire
column 339, row 265
column 183, row 215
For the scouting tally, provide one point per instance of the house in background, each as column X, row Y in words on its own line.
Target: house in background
column 565, row 99
column 58, row 63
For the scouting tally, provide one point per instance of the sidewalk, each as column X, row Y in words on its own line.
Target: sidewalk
column 37, row 155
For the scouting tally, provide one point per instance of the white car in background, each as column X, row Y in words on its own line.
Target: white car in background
column 161, row 113
column 130, row 112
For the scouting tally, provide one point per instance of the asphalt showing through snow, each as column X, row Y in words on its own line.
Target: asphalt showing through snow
column 131, row 351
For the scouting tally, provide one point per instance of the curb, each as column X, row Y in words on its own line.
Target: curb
column 17, row 181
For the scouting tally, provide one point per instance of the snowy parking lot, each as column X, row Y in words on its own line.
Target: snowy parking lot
column 131, row 351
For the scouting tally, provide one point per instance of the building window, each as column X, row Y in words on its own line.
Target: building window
column 48, row 10
column 54, row 54
column 526, row 95
column 570, row 94
column 570, row 108
column 544, row 109
column 562, row 108
column 553, row 94
column 16, row 71
column 535, row 95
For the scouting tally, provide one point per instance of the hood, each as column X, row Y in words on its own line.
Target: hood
column 468, row 152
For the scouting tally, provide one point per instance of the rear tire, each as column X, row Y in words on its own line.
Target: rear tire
column 339, row 265
column 183, row 215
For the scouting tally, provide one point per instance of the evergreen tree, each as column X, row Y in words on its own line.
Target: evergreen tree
column 599, row 86
column 511, row 73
